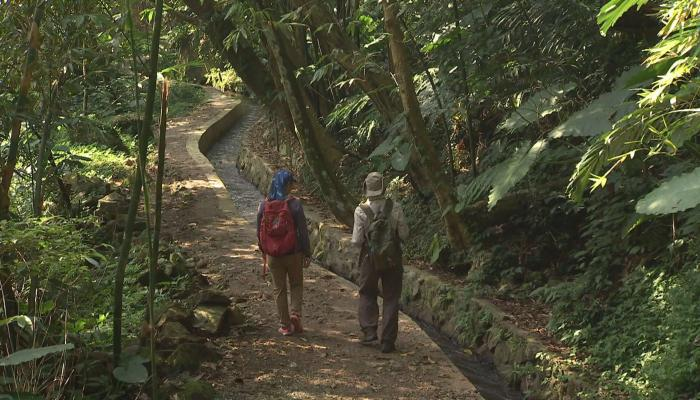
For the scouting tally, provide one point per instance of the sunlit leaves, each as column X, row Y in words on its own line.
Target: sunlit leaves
column 599, row 115
column 514, row 169
column 613, row 11
column 677, row 194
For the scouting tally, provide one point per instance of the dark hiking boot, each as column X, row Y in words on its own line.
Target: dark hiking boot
column 368, row 339
column 388, row 348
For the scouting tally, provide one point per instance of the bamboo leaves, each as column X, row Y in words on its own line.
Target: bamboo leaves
column 613, row 11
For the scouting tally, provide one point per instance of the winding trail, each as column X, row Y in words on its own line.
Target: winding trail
column 215, row 222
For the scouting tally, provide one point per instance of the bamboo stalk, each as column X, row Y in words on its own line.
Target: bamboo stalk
column 30, row 63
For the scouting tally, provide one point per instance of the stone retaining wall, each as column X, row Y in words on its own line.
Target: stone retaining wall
column 472, row 322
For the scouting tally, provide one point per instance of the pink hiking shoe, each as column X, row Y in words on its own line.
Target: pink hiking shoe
column 286, row 330
column 296, row 323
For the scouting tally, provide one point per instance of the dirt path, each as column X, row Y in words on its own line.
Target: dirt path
column 326, row 362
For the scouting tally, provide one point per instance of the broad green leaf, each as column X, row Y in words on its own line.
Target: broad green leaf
column 401, row 157
column 539, row 105
column 23, row 356
column 683, row 130
column 613, row 10
column 46, row 307
column 515, row 170
column 131, row 370
column 600, row 115
column 387, row 146
column 649, row 73
column 435, row 249
column 674, row 195
column 21, row 320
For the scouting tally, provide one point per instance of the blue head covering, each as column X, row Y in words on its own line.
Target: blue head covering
column 279, row 182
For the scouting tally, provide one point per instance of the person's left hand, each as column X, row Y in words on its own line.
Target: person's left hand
column 307, row 262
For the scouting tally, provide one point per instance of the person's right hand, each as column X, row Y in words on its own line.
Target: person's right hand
column 307, row 262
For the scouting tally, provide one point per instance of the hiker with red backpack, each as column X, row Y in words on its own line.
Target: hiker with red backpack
column 283, row 239
column 379, row 228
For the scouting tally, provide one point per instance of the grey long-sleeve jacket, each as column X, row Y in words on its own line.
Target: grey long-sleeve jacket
column 303, row 243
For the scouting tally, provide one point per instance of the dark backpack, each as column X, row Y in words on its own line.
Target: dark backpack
column 278, row 234
column 383, row 244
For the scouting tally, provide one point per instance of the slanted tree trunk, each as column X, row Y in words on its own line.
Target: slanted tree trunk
column 457, row 232
column 242, row 58
column 376, row 83
column 306, row 122
column 8, row 167
column 257, row 77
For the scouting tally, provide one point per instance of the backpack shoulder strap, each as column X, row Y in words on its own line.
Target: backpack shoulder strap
column 368, row 212
column 388, row 208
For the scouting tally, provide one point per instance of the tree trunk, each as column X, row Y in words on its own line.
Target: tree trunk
column 465, row 81
column 257, row 77
column 153, row 261
column 438, row 98
column 8, row 168
column 41, row 157
column 457, row 232
column 8, row 303
column 144, row 134
column 242, row 58
column 334, row 193
column 376, row 83
column 62, row 187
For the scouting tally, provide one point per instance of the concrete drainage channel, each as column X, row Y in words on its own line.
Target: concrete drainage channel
column 227, row 150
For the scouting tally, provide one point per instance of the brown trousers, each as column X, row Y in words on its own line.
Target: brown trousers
column 392, row 281
column 284, row 267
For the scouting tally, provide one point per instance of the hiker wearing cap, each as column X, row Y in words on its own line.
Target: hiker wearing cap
column 379, row 228
column 283, row 239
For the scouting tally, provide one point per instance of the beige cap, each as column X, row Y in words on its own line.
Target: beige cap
column 374, row 184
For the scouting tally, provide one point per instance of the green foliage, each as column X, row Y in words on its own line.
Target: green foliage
column 93, row 161
column 51, row 250
column 598, row 116
column 23, row 356
column 223, row 79
column 502, row 177
column 131, row 370
column 436, row 248
column 514, row 169
column 677, row 194
column 539, row 105
column 611, row 12
column 183, row 98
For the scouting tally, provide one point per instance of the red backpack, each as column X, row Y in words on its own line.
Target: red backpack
column 278, row 234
